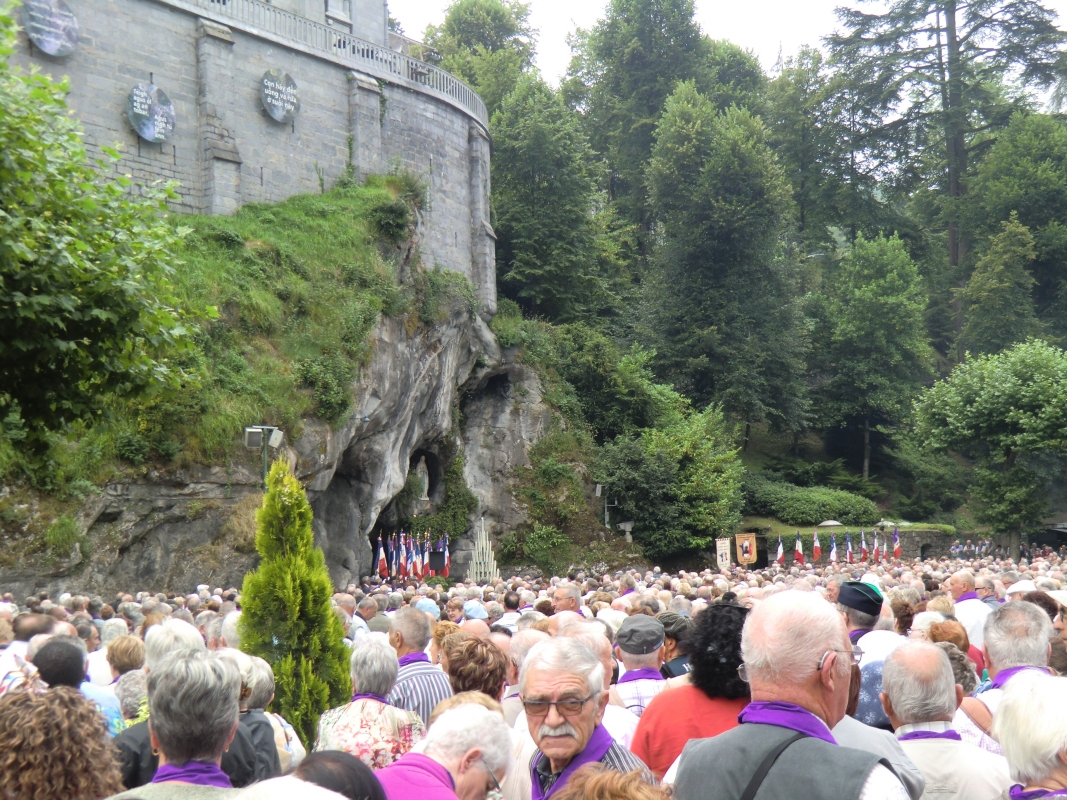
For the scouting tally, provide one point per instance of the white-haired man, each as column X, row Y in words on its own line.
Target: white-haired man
column 420, row 686
column 465, row 755
column 562, row 690
column 797, row 660
column 1032, row 724
column 970, row 610
column 920, row 697
column 520, row 645
column 1016, row 640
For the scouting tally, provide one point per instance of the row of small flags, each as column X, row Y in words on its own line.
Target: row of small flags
column 816, row 551
column 405, row 555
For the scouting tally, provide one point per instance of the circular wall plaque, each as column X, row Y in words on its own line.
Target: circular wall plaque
column 51, row 25
column 279, row 95
column 150, row 112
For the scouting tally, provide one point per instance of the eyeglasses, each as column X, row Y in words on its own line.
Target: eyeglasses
column 855, row 653
column 496, row 783
column 568, row 708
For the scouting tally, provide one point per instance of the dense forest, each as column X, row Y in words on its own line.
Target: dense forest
column 837, row 289
column 808, row 265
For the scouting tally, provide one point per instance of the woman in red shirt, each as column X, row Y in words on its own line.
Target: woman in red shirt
column 710, row 703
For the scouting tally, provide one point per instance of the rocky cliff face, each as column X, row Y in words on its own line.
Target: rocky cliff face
column 174, row 529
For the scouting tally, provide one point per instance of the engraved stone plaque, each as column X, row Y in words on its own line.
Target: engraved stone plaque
column 279, row 95
column 150, row 112
column 51, row 25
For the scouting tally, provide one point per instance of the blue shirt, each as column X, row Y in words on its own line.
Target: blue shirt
column 107, row 704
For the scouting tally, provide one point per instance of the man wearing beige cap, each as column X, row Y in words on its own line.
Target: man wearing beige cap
column 639, row 646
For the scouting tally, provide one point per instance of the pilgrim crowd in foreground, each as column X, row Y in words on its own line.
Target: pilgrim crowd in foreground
column 933, row 679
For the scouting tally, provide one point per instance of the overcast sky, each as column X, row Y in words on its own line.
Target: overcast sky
column 766, row 27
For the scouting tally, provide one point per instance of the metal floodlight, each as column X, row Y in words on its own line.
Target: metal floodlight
column 599, row 488
column 253, row 438
column 276, row 438
column 625, row 527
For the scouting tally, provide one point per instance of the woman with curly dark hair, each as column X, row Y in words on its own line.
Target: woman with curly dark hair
column 55, row 744
column 710, row 703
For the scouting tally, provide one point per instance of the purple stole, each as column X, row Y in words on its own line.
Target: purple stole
column 198, row 773
column 967, row 596
column 907, row 737
column 786, row 715
column 595, row 749
column 645, row 673
column 1005, row 675
column 412, row 658
column 855, row 636
column 370, row 696
column 1017, row 792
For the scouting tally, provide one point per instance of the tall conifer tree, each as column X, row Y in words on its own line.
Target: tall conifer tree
column 286, row 616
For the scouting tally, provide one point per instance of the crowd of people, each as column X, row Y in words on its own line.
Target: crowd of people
column 897, row 681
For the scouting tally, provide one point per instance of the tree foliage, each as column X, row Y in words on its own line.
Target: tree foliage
column 722, row 204
column 286, row 615
column 681, row 485
column 87, row 310
column 1025, row 173
column 543, row 191
column 997, row 302
column 1000, row 409
column 877, row 351
column 487, row 43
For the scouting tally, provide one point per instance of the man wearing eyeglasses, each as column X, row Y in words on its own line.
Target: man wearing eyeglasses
column 797, row 661
column 562, row 689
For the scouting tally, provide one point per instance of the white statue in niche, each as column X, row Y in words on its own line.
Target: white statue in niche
column 424, row 482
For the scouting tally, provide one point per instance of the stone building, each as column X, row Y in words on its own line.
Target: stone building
column 361, row 96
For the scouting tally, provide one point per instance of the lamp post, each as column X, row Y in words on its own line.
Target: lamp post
column 260, row 437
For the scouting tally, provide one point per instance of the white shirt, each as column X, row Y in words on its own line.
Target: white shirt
column 98, row 668
column 972, row 616
column 510, row 620
column 956, row 770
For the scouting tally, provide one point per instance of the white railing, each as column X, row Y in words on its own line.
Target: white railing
column 342, row 47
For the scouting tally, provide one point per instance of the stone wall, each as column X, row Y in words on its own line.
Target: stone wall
column 226, row 151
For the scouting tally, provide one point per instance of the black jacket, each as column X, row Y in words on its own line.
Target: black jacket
column 139, row 765
column 267, row 763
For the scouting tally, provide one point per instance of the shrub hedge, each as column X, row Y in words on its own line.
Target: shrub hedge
column 797, row 505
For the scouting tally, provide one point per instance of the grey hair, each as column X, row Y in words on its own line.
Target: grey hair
column 920, row 691
column 526, row 597
column 682, row 605
column 786, row 634
column 571, row 590
column 521, row 644
column 1016, row 635
column 858, row 619
column 112, row 629
column 963, row 671
column 229, row 632
column 131, row 689
column 168, row 637
column 466, row 727
column 393, row 601
column 368, row 603
column 262, row 685
column 527, row 619
column 193, row 705
column 243, row 662
column 1031, row 724
column 984, row 582
column 964, row 577
column 566, row 655
column 924, row 619
column 591, row 634
column 414, row 626
column 373, row 665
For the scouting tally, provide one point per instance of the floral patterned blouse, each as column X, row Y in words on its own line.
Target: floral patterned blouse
column 375, row 733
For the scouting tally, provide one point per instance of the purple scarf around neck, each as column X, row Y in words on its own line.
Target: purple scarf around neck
column 645, row 673
column 907, row 737
column 967, row 596
column 786, row 715
column 1018, row 792
column 855, row 636
column 198, row 773
column 1005, row 675
column 369, row 696
column 412, row 658
column 595, row 749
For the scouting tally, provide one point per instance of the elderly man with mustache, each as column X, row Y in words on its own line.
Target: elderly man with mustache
column 562, row 689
